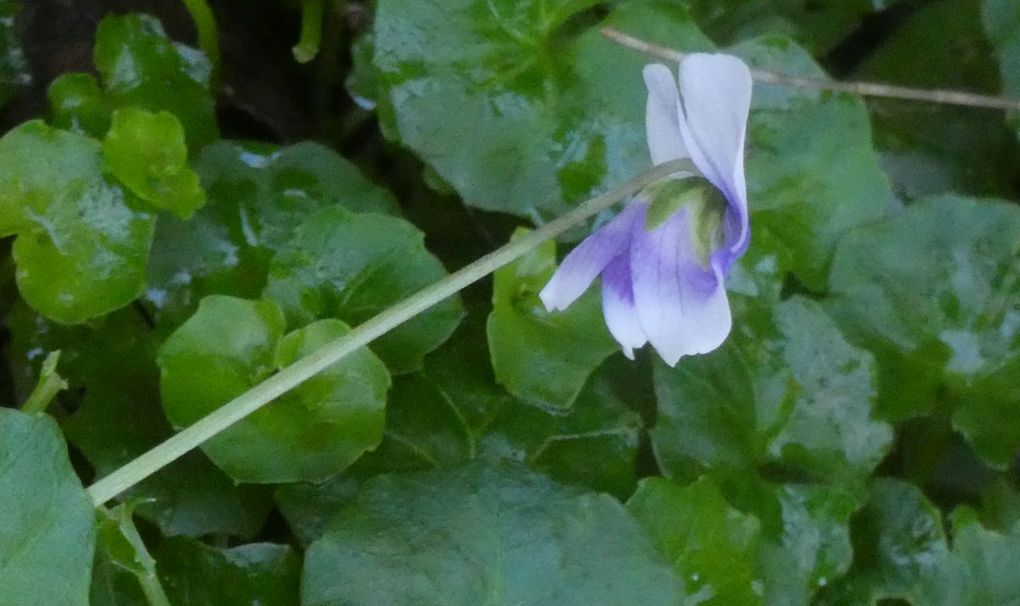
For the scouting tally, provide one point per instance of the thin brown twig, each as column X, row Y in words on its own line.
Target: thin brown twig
column 867, row 89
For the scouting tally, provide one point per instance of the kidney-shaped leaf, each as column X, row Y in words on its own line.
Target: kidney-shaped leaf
column 310, row 433
column 483, row 535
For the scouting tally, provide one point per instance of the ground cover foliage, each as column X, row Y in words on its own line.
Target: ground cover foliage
column 182, row 220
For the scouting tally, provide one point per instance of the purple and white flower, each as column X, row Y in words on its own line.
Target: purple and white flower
column 660, row 283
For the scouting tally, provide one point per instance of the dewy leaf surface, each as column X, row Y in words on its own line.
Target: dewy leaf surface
column 81, row 245
column 935, row 294
column 140, row 66
column 547, row 110
column 483, row 535
column 310, row 433
column 47, row 530
column 785, row 389
column 543, row 357
column 352, row 266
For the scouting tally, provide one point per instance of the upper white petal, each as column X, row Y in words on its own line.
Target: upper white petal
column 716, row 99
column 662, row 115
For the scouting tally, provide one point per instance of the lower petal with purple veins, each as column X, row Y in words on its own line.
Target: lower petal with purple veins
column 681, row 304
column 618, row 305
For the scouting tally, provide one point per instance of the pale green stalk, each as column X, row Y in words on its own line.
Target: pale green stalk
column 49, row 385
column 307, row 367
column 311, row 31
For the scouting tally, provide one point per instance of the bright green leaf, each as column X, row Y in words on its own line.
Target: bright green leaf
column 543, row 357
column 712, row 546
column 140, row 66
column 81, row 247
column 77, row 104
column 147, row 153
column 311, row 433
column 483, row 535
column 47, row 530
column 351, row 267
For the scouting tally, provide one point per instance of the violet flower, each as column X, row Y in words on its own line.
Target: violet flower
column 663, row 275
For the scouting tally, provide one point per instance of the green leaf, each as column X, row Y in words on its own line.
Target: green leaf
column 47, row 531
column 259, row 573
column 352, row 266
column 712, row 546
column 812, row 173
column 14, row 73
column 311, row 433
column 989, row 560
column 147, row 153
column 77, row 104
column 594, row 444
column 547, row 110
column 543, row 357
column 475, row 534
column 307, row 507
column 937, row 148
column 424, row 429
column 140, row 66
column 81, row 247
column 786, row 389
column 933, row 293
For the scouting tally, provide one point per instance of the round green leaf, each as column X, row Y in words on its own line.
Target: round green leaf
column 47, row 530
column 785, row 389
column 547, row 110
column 81, row 247
column 934, row 294
column 353, row 266
column 140, row 66
column 147, row 153
column 543, row 357
column 312, row 432
column 483, row 535
column 77, row 104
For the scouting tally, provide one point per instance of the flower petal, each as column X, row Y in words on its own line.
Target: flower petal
column 716, row 94
column 681, row 305
column 589, row 258
column 618, row 305
column 662, row 116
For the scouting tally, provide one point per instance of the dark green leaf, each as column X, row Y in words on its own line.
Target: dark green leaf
column 547, row 110
column 140, row 66
column 47, row 531
column 1001, row 19
column 146, row 152
column 542, row 357
column 812, row 173
column 353, row 266
column 934, row 293
column 14, row 73
column 260, row 573
column 713, row 547
column 124, row 547
column 307, row 507
column 785, row 389
column 311, row 433
column 81, row 247
column 472, row 535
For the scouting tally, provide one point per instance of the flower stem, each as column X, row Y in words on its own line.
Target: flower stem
column 311, row 31
column 49, row 385
column 307, row 367
column 865, row 89
column 208, row 39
